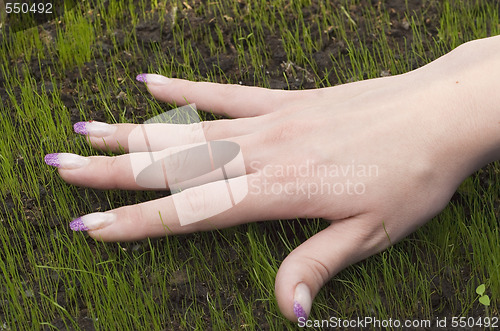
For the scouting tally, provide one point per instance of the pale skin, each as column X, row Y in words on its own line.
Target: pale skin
column 425, row 131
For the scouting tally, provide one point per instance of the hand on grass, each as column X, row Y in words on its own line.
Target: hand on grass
column 377, row 159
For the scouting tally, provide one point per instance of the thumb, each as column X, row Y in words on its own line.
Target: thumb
column 305, row 270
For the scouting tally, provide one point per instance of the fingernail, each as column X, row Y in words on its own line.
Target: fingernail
column 141, row 78
column 152, row 79
column 94, row 129
column 302, row 301
column 66, row 160
column 93, row 221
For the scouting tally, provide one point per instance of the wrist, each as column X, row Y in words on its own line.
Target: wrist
column 463, row 110
column 479, row 99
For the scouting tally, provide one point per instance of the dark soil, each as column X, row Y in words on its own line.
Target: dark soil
column 151, row 34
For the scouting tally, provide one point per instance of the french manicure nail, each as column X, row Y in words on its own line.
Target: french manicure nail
column 92, row 221
column 66, row 160
column 152, row 79
column 94, row 128
column 302, row 301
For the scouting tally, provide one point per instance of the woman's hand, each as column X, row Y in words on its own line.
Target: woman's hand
column 376, row 158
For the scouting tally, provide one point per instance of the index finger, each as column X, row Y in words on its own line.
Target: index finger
column 223, row 99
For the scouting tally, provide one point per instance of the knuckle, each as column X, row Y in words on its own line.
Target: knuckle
column 285, row 131
column 207, row 127
column 112, row 171
column 321, row 272
column 196, row 133
column 375, row 234
column 195, row 201
column 136, row 216
column 174, row 163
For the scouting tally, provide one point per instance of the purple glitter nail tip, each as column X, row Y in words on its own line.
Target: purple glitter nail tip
column 81, row 128
column 77, row 225
column 52, row 160
column 141, row 78
column 298, row 310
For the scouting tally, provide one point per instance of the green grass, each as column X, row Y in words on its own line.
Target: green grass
column 52, row 278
